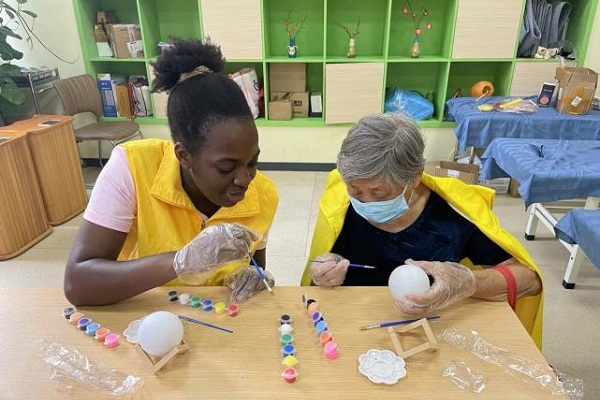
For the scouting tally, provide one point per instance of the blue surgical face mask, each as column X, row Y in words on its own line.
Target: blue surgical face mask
column 381, row 211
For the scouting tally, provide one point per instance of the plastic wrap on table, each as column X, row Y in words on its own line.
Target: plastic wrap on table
column 528, row 370
column 70, row 366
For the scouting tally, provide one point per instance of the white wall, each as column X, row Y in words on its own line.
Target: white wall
column 56, row 27
column 56, row 24
column 593, row 54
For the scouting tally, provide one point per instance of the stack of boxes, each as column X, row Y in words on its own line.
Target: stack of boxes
column 288, row 95
column 114, row 39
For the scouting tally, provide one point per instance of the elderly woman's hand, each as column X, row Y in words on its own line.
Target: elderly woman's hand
column 452, row 282
column 328, row 269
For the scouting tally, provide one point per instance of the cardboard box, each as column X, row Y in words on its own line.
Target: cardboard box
column 500, row 185
column 288, row 77
column 468, row 173
column 299, row 102
column 125, row 40
column 280, row 110
column 106, row 17
column 576, row 89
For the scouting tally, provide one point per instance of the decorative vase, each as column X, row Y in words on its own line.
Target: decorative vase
column 414, row 51
column 292, row 49
column 351, row 49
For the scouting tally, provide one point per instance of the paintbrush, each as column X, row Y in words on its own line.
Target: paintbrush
column 393, row 323
column 262, row 275
column 196, row 321
column 350, row 265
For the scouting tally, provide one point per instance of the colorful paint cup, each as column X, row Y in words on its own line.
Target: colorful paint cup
column 67, row 312
column 289, row 361
column 195, row 302
column 220, row 307
column 312, row 308
column 316, row 317
column 75, row 317
column 184, row 298
column 101, row 334
column 320, row 327
column 325, row 337
column 286, row 338
column 233, row 310
column 111, row 340
column 285, row 328
column 331, row 350
column 290, row 375
column 172, row 295
column 207, row 305
column 288, row 350
column 285, row 319
column 83, row 323
column 92, row 328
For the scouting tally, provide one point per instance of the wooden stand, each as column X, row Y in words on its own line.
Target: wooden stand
column 155, row 364
column 431, row 342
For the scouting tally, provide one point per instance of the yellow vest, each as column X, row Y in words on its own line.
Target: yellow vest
column 166, row 218
column 473, row 201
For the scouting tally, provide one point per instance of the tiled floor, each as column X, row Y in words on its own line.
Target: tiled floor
column 572, row 317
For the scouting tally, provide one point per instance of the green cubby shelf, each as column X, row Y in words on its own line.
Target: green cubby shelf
column 434, row 42
column 464, row 74
column 160, row 21
column 371, row 40
column 424, row 78
column 309, row 40
column 455, row 53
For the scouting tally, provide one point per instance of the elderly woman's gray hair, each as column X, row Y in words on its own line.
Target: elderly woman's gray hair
column 388, row 146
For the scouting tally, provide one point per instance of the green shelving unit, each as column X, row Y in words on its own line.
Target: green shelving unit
column 458, row 50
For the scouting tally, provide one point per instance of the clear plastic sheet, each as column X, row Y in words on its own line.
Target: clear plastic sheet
column 464, row 376
column 71, row 366
column 528, row 370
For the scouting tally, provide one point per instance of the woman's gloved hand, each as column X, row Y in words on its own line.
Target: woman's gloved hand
column 452, row 282
column 245, row 283
column 328, row 269
column 216, row 245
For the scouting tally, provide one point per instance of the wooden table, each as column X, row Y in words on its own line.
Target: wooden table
column 247, row 364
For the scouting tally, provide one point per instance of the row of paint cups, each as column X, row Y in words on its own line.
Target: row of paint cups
column 90, row 328
column 207, row 305
column 288, row 351
column 330, row 348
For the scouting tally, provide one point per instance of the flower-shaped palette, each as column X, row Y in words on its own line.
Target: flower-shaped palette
column 382, row 366
column 131, row 333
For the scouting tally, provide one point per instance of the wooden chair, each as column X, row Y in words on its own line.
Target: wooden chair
column 80, row 94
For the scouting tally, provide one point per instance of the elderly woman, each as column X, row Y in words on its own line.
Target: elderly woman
column 380, row 209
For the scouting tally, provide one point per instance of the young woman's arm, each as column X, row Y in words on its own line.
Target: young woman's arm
column 94, row 277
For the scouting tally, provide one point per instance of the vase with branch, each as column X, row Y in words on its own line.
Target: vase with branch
column 352, row 34
column 293, row 29
column 417, row 14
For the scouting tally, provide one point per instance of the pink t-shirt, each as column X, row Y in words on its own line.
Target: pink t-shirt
column 113, row 202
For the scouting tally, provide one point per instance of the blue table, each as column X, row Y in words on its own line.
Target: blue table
column 581, row 228
column 548, row 170
column 477, row 128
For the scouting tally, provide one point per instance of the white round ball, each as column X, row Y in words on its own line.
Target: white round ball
column 159, row 332
column 407, row 279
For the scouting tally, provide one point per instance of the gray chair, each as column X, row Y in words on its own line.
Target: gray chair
column 81, row 94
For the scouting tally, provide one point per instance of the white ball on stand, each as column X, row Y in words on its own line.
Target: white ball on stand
column 408, row 279
column 160, row 332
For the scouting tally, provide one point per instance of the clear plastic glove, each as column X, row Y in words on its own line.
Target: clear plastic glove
column 214, row 246
column 245, row 283
column 452, row 282
column 329, row 269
